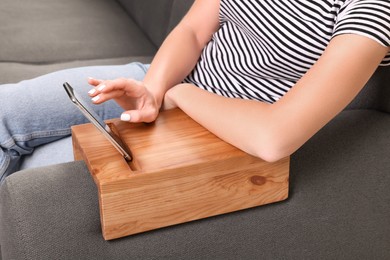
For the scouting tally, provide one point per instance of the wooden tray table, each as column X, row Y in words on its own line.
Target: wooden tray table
column 181, row 172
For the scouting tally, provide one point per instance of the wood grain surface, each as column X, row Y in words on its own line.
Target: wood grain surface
column 180, row 172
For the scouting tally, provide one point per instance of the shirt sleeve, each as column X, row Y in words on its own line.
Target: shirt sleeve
column 370, row 18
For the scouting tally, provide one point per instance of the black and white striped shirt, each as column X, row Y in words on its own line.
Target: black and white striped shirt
column 263, row 47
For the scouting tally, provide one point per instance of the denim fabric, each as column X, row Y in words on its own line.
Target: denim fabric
column 38, row 111
column 56, row 152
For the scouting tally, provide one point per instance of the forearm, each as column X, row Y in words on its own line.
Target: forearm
column 246, row 124
column 182, row 48
column 173, row 62
column 274, row 131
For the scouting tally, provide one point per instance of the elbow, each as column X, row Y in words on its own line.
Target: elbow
column 271, row 156
column 271, row 148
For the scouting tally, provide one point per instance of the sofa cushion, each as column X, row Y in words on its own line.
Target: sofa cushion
column 338, row 208
column 49, row 31
column 148, row 15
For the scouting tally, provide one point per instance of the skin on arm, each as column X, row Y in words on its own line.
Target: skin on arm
column 173, row 62
column 273, row 131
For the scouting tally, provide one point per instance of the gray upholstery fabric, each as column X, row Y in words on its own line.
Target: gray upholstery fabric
column 338, row 209
column 30, row 56
column 146, row 15
column 48, row 31
column 46, row 36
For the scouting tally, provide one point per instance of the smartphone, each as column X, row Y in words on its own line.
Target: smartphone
column 98, row 122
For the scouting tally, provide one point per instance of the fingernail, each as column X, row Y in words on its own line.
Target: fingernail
column 94, row 99
column 92, row 91
column 100, row 88
column 90, row 78
column 125, row 117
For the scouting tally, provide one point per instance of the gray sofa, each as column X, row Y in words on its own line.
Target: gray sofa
column 339, row 200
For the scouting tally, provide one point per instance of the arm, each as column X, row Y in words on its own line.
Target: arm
column 274, row 131
column 173, row 62
column 181, row 49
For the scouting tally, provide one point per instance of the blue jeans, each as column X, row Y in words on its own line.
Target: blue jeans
column 38, row 111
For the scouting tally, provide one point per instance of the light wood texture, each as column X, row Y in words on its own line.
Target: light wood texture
column 181, row 172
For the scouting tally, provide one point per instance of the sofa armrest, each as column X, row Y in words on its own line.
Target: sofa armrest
column 27, row 225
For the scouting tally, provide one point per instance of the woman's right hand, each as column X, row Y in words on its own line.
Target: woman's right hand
column 133, row 96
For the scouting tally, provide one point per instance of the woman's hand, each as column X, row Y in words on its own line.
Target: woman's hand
column 133, row 96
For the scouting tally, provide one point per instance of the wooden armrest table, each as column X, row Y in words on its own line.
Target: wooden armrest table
column 180, row 172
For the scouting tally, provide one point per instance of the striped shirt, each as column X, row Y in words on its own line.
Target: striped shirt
column 263, row 47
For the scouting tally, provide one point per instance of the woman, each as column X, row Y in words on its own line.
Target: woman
column 264, row 76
